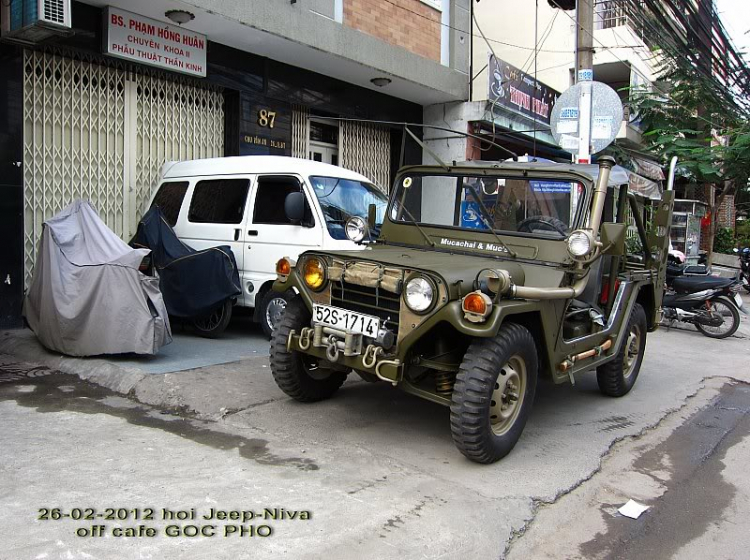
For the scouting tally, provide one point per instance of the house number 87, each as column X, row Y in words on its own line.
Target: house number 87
column 266, row 118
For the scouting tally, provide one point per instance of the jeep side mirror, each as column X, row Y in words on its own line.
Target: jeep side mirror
column 294, row 207
column 372, row 216
column 613, row 238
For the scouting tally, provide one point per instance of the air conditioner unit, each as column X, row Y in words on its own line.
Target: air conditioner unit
column 33, row 21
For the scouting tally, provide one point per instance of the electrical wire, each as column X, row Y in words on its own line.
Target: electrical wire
column 605, row 48
column 486, row 39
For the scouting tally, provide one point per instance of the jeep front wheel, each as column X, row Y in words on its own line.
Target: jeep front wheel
column 494, row 393
column 298, row 375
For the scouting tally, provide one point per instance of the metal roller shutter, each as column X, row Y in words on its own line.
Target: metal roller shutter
column 97, row 131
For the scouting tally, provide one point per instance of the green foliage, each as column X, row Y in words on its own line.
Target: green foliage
column 633, row 245
column 742, row 233
column 689, row 122
column 724, row 240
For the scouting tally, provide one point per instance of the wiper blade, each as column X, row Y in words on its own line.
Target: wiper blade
column 413, row 221
column 488, row 220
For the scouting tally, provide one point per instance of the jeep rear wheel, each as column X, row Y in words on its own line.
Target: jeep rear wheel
column 494, row 393
column 298, row 375
column 617, row 377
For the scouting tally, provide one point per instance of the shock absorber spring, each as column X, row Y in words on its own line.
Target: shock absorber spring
column 444, row 382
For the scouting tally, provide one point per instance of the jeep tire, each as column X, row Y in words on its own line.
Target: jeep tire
column 494, row 393
column 297, row 374
column 617, row 377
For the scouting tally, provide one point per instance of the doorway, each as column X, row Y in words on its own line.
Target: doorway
column 324, row 142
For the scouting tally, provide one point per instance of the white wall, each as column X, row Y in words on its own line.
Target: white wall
column 512, row 22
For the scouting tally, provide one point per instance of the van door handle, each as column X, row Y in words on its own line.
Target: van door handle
column 237, row 234
column 252, row 232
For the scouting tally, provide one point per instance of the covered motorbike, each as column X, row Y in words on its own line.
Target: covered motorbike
column 196, row 285
column 87, row 296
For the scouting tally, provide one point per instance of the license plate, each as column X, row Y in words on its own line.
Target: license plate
column 738, row 299
column 346, row 320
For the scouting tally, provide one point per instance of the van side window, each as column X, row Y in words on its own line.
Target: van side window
column 219, row 201
column 169, row 199
column 270, row 197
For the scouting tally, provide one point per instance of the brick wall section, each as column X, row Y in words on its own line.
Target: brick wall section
column 410, row 24
column 726, row 212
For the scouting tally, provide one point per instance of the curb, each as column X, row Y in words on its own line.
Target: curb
column 23, row 345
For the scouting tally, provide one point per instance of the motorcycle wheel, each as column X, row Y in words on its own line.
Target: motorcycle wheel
column 213, row 324
column 728, row 311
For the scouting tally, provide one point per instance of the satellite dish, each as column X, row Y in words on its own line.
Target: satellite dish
column 606, row 116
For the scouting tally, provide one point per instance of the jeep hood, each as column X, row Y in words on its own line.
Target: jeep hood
column 453, row 267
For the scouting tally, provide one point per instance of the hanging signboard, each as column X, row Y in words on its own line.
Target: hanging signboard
column 516, row 90
column 149, row 41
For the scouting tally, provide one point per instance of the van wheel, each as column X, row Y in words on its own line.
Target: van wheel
column 617, row 377
column 494, row 393
column 215, row 323
column 299, row 375
column 272, row 309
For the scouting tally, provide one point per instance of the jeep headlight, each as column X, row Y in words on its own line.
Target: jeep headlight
column 419, row 294
column 580, row 244
column 314, row 273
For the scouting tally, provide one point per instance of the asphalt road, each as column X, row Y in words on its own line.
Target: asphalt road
column 374, row 469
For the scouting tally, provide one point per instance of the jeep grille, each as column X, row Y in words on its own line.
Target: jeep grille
column 373, row 301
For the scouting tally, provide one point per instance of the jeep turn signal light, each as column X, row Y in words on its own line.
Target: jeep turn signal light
column 476, row 306
column 314, row 273
column 284, row 268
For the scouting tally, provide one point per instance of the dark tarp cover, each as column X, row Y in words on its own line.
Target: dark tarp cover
column 193, row 283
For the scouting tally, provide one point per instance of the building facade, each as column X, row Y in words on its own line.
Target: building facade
column 94, row 110
column 520, row 66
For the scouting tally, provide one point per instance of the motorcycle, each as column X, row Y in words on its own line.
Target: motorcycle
column 744, row 255
column 710, row 303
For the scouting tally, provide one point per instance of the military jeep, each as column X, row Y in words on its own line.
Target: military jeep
column 482, row 278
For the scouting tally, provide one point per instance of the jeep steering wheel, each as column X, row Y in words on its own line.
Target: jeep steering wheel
column 548, row 223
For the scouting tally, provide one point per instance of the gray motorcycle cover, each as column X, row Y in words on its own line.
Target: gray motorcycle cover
column 87, row 296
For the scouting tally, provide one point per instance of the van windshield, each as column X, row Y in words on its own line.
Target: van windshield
column 340, row 199
column 542, row 208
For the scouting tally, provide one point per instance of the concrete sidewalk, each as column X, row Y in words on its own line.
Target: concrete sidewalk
column 214, row 377
column 205, row 376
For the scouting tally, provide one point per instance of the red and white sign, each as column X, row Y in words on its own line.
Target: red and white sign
column 153, row 42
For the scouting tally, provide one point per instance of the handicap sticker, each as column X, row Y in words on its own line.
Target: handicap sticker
column 471, row 216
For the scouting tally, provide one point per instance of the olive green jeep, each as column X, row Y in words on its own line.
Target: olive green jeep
column 482, row 277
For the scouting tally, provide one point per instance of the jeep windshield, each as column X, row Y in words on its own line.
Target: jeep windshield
column 540, row 208
column 340, row 199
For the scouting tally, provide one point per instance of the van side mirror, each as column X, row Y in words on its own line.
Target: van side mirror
column 372, row 216
column 294, row 207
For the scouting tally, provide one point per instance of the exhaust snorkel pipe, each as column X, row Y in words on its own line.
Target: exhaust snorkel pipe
column 506, row 286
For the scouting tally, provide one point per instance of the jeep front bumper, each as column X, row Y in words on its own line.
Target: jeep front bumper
column 347, row 349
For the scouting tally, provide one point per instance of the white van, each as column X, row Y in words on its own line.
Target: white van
column 240, row 202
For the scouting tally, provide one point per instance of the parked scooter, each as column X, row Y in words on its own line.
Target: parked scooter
column 744, row 255
column 710, row 303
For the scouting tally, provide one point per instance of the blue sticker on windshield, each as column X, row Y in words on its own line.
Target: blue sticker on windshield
column 471, row 216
